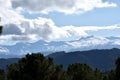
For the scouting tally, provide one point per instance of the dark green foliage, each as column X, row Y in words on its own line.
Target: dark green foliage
column 59, row 74
column 35, row 67
column 32, row 67
column 1, row 29
column 106, row 77
column 114, row 74
column 97, row 75
column 2, row 74
column 111, row 75
column 80, row 72
column 117, row 70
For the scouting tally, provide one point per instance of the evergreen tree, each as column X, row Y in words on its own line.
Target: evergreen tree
column 1, row 29
column 111, row 75
column 97, row 75
column 80, row 72
column 32, row 67
column 117, row 70
column 2, row 74
column 59, row 74
column 36, row 67
column 106, row 77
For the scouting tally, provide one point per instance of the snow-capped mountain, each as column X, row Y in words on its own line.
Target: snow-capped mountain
column 84, row 43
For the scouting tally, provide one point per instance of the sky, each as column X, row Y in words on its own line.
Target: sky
column 56, row 20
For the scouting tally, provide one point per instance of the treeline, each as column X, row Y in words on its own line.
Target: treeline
column 38, row 67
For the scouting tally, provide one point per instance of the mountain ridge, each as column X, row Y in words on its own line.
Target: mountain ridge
column 103, row 59
column 84, row 43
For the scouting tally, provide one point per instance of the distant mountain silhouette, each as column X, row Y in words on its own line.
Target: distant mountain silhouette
column 81, row 44
column 5, row 62
column 102, row 59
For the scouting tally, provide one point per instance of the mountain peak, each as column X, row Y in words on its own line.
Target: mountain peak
column 84, row 43
column 92, row 36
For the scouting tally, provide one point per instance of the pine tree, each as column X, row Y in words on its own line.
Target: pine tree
column 1, row 29
column 36, row 67
column 80, row 72
column 2, row 74
column 97, row 75
column 32, row 67
column 117, row 70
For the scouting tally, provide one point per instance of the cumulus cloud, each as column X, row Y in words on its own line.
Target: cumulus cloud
column 5, row 3
column 41, row 28
column 19, row 29
column 10, row 29
column 64, row 6
column 30, row 30
column 7, row 14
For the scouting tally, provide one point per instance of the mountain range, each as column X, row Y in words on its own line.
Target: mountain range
column 82, row 44
column 103, row 59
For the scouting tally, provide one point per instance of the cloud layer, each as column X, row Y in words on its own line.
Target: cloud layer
column 64, row 6
column 19, row 29
column 45, row 29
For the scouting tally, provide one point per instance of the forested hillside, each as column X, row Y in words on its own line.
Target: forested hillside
column 38, row 67
column 102, row 59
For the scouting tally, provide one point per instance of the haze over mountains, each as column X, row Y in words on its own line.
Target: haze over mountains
column 84, row 43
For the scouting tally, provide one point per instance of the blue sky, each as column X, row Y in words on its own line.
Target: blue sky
column 58, row 20
column 97, row 17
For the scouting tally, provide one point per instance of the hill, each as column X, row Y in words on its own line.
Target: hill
column 102, row 59
column 5, row 62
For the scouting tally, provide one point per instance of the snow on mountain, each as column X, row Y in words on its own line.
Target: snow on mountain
column 3, row 50
column 84, row 43
column 89, row 41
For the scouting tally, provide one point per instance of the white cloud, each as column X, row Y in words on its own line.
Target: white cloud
column 3, row 50
column 64, row 6
column 7, row 14
column 90, row 28
column 117, row 42
column 18, row 29
column 42, row 28
column 5, row 3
